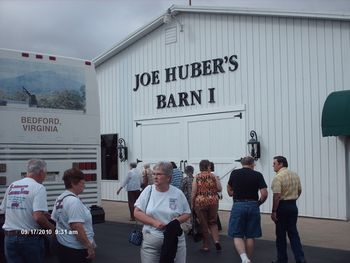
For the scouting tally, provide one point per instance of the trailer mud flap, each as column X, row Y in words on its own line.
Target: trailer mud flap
column 2, row 237
column 98, row 214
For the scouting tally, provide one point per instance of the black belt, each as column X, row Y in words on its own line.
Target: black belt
column 244, row 200
column 17, row 233
column 288, row 201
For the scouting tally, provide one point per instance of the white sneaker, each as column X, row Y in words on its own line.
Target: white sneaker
column 246, row 261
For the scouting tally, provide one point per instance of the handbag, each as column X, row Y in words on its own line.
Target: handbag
column 196, row 228
column 136, row 236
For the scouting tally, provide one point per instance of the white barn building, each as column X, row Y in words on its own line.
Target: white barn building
column 194, row 82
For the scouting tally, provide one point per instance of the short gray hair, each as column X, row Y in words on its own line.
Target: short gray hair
column 165, row 167
column 248, row 160
column 35, row 166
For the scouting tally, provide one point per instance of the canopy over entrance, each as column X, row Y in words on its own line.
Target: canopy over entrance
column 336, row 114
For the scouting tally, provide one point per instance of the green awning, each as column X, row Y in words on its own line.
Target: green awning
column 336, row 114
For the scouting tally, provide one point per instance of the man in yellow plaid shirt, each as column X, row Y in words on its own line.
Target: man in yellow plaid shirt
column 286, row 190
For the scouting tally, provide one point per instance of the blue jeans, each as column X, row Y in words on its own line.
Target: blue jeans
column 245, row 220
column 24, row 249
column 287, row 216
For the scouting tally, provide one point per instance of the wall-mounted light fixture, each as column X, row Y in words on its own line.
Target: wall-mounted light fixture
column 254, row 145
column 122, row 150
column 168, row 17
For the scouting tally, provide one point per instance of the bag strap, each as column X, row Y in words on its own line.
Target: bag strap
column 67, row 196
column 58, row 204
column 149, row 197
column 59, row 201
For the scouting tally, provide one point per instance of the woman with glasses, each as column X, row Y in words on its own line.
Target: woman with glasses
column 162, row 207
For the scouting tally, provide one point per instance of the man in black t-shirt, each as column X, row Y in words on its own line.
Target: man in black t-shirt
column 244, row 186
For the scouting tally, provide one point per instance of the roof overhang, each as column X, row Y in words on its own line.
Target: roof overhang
column 174, row 10
column 336, row 114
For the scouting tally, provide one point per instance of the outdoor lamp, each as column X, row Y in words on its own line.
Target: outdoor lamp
column 254, row 145
column 122, row 150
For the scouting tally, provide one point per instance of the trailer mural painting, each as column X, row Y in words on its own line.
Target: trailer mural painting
column 41, row 85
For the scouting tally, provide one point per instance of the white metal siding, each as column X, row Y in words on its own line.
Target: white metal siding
column 287, row 67
column 116, row 114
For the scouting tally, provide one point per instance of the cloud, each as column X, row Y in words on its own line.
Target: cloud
column 87, row 28
column 72, row 28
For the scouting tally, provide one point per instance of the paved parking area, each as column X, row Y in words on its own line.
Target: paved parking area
column 113, row 247
column 313, row 232
column 324, row 241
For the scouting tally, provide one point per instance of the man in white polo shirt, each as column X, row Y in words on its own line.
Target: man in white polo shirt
column 25, row 205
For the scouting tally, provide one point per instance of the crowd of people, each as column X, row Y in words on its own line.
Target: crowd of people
column 165, row 201
column 162, row 206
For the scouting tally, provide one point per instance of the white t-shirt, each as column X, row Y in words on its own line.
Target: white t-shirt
column 71, row 210
column 21, row 199
column 163, row 206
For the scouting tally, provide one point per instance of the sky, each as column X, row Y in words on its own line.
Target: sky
column 87, row 28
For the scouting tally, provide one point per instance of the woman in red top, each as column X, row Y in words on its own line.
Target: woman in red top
column 205, row 201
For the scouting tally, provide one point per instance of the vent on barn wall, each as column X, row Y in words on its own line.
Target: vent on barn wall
column 170, row 35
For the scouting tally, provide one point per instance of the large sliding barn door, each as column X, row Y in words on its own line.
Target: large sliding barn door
column 187, row 140
column 159, row 140
column 219, row 138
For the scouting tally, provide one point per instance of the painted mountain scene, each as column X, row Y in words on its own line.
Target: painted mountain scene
column 41, row 85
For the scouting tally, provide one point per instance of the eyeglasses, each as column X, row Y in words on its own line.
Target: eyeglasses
column 157, row 174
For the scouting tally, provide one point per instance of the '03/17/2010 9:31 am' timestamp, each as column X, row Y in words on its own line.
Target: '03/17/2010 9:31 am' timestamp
column 48, row 232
